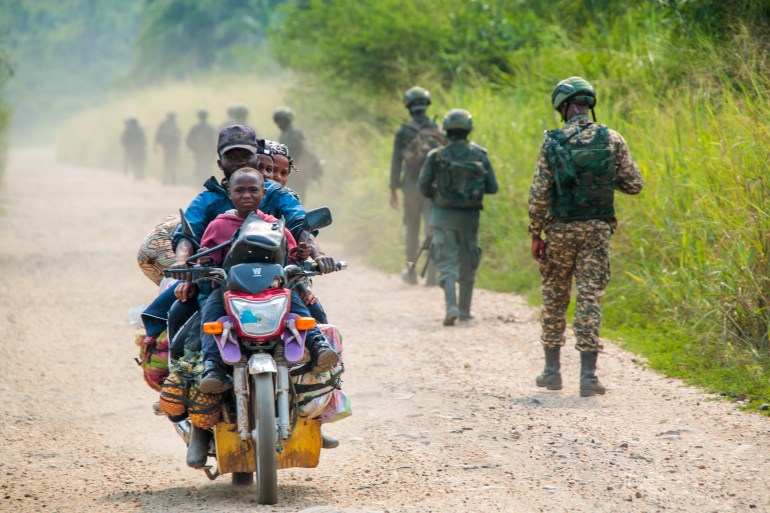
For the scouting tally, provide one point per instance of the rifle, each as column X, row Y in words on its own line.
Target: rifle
column 424, row 248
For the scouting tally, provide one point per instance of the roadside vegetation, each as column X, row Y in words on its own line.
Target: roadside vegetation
column 686, row 82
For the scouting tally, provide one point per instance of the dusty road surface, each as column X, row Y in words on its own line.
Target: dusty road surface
column 445, row 419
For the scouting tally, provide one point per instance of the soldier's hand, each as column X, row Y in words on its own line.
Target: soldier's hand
column 538, row 249
column 393, row 198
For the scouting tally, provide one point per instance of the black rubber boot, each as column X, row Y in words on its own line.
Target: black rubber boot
column 450, row 296
column 589, row 383
column 550, row 377
column 198, row 448
column 466, row 295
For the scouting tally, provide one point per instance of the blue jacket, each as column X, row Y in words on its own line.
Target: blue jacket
column 278, row 202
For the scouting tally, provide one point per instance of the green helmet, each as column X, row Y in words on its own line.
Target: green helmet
column 414, row 94
column 458, row 119
column 283, row 113
column 576, row 89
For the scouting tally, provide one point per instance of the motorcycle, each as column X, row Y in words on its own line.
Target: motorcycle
column 264, row 343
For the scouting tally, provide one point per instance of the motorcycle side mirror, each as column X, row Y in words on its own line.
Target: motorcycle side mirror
column 317, row 218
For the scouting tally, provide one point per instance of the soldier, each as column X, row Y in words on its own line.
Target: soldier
column 134, row 147
column 571, row 200
column 456, row 177
column 414, row 139
column 168, row 137
column 308, row 165
column 200, row 140
column 236, row 115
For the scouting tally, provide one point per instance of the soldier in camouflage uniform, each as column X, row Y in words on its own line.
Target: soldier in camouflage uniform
column 200, row 140
column 571, row 199
column 169, row 137
column 456, row 177
column 404, row 172
column 308, row 165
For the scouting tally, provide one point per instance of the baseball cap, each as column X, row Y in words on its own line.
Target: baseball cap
column 237, row 136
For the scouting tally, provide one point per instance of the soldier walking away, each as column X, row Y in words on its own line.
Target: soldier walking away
column 201, row 139
column 572, row 200
column 134, row 147
column 456, row 177
column 308, row 166
column 414, row 139
column 169, row 137
column 236, row 115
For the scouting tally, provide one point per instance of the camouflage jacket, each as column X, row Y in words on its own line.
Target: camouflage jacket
column 404, row 135
column 628, row 178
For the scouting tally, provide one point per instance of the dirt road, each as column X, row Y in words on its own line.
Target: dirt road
column 445, row 419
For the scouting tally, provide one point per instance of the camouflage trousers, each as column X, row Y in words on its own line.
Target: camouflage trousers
column 579, row 249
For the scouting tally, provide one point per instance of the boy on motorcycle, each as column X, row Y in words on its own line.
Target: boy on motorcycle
column 246, row 190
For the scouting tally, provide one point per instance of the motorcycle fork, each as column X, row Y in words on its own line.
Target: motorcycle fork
column 282, row 400
column 241, row 389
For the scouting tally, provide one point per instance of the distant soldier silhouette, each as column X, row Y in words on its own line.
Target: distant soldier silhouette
column 169, row 137
column 308, row 165
column 134, row 147
column 201, row 139
column 236, row 115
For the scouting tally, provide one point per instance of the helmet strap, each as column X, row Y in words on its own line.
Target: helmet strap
column 593, row 114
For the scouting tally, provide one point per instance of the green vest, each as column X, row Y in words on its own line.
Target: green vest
column 460, row 178
column 584, row 176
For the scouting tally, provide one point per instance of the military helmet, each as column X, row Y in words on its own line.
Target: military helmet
column 458, row 119
column 283, row 113
column 577, row 89
column 414, row 94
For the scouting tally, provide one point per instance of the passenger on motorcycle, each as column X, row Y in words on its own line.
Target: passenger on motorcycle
column 238, row 147
column 246, row 191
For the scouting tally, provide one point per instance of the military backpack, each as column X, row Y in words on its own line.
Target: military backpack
column 460, row 181
column 426, row 138
column 584, row 175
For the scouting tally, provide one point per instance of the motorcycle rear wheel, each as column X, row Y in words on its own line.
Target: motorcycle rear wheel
column 263, row 408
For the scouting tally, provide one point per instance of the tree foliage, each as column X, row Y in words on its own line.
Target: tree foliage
column 179, row 38
column 64, row 52
column 381, row 45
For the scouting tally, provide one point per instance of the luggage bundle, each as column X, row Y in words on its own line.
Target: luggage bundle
column 319, row 396
column 181, row 397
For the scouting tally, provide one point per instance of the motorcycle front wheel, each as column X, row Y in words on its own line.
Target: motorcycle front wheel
column 263, row 409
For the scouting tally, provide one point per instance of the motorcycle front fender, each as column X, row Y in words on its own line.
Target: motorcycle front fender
column 260, row 363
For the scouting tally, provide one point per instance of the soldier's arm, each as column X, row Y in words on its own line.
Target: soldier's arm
column 396, row 160
column 628, row 178
column 428, row 175
column 540, row 194
column 490, row 180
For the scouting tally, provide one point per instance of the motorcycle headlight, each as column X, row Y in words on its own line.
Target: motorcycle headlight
column 259, row 318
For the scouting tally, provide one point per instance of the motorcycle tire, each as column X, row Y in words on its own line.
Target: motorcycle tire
column 263, row 407
column 243, row 478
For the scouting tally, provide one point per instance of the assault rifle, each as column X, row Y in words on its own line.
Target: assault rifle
column 424, row 248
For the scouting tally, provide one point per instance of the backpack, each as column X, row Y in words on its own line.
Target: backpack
column 426, row 139
column 461, row 181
